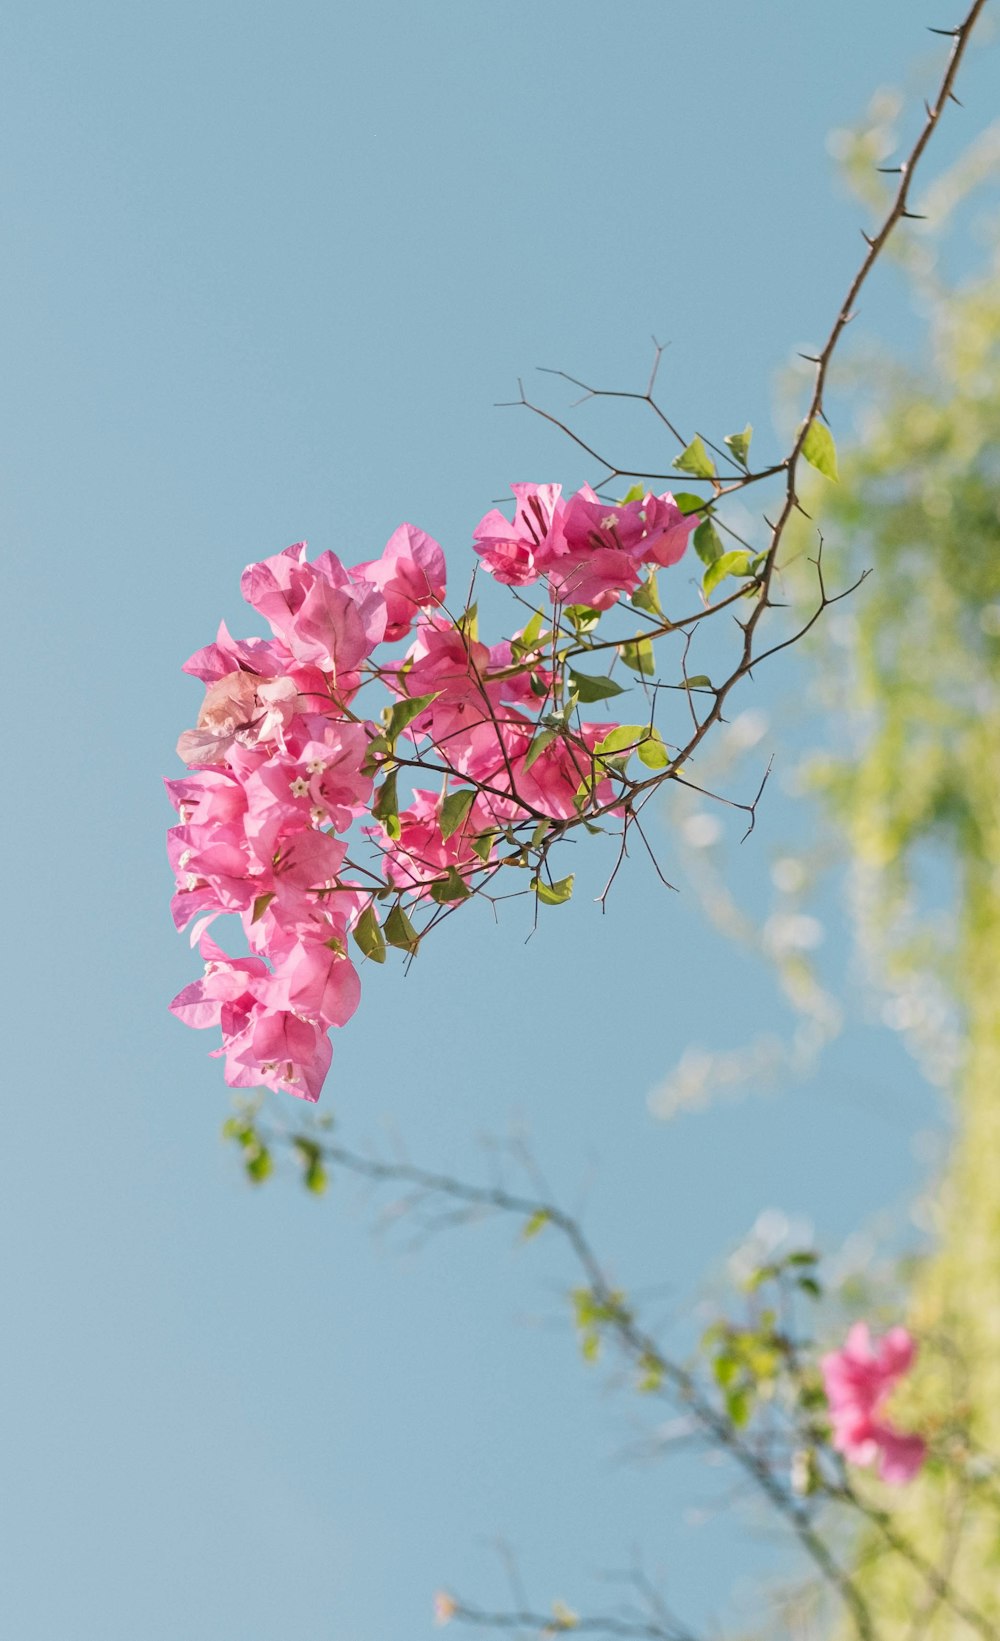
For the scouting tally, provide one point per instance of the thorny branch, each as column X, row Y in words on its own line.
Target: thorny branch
column 666, row 1377
column 533, row 838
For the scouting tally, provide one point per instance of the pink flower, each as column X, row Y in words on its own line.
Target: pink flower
column 316, row 611
column 510, row 551
column 858, row 1379
column 239, row 709
column 595, row 554
column 420, row 856
column 410, row 575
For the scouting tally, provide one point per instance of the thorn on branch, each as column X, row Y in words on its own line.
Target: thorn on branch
column 949, row 33
column 914, row 216
column 955, row 99
column 868, row 240
column 891, row 170
column 811, row 358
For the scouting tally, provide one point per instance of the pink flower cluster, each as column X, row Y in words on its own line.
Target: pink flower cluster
column 858, row 1380
column 282, row 764
column 588, row 552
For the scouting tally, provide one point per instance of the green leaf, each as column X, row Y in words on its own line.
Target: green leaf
column 386, row 806
column 590, row 1344
column 593, row 689
column 399, row 931
column 638, row 655
column 378, row 749
column 316, row 1179
column 450, row 888
column 623, row 737
column 647, row 597
column 583, row 618
column 539, row 1219
column 259, row 1165
column 739, row 444
column 635, row 493
column 688, row 502
column 454, row 810
column 368, row 937
column 538, row 746
column 736, row 563
column 700, row 680
column 652, row 751
column 725, row 1369
column 403, row 712
column 809, row 1285
column 650, row 1371
column 695, row 459
column 260, row 906
column 528, row 639
column 738, row 1407
column 819, row 449
column 553, row 894
column 482, row 845
column 468, row 623
column 707, row 543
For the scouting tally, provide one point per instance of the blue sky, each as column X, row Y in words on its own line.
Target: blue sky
column 267, row 272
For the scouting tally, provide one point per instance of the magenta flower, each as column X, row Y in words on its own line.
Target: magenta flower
column 511, row 551
column 858, row 1380
column 410, row 576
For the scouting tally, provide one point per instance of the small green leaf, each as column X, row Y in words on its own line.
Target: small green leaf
column 638, row 654
column 386, row 806
column 527, row 641
column 316, row 1179
column 450, row 888
column 593, row 689
column 539, row 1219
column 652, row 751
column 636, row 493
column 725, row 1369
column 590, row 1345
column 623, row 737
column 399, row 931
column 819, row 449
column 368, row 937
column 695, row 459
column 738, row 1407
column 483, row 845
column 259, row 1165
column 553, row 894
column 736, row 563
column 538, row 746
column 647, row 597
column 688, row 502
column 583, row 618
column 650, row 1372
column 378, row 749
column 397, row 717
column 809, row 1285
column 468, row 623
column 707, row 544
column 739, row 444
column 454, row 810
column 700, row 680
column 260, row 906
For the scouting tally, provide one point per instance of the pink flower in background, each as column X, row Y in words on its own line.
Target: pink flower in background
column 858, row 1380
